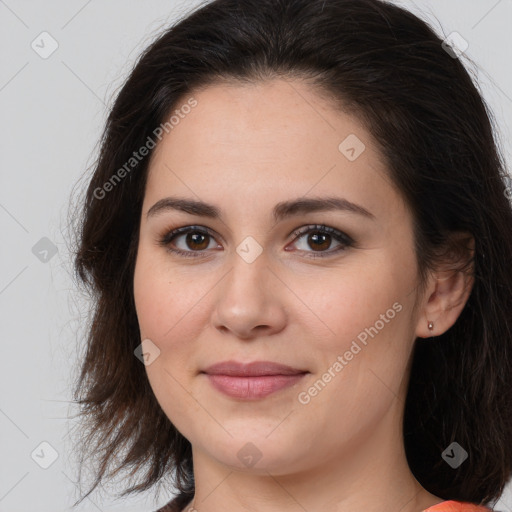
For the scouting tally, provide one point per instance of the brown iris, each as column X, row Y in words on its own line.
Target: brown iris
column 315, row 238
column 194, row 237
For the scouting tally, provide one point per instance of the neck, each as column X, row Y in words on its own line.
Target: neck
column 369, row 474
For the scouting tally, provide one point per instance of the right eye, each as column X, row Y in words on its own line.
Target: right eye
column 196, row 238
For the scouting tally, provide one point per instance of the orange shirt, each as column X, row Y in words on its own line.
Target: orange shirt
column 456, row 506
column 445, row 506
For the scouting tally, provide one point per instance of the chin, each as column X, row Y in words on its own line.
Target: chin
column 255, row 452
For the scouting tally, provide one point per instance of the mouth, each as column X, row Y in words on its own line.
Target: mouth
column 252, row 381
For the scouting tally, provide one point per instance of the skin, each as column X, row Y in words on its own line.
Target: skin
column 245, row 148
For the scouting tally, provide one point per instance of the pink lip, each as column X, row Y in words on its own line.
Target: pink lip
column 253, row 369
column 252, row 380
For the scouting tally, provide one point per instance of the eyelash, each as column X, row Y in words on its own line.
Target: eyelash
column 339, row 236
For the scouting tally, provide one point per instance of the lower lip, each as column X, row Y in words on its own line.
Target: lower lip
column 252, row 387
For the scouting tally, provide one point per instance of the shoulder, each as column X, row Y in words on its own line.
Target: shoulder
column 457, row 506
column 167, row 508
column 177, row 504
column 170, row 507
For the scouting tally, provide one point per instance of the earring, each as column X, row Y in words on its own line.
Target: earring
column 431, row 326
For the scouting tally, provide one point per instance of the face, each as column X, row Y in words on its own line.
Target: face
column 328, row 292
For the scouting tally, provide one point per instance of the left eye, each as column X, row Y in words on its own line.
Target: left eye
column 321, row 236
column 198, row 239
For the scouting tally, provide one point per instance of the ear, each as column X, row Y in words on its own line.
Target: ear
column 448, row 289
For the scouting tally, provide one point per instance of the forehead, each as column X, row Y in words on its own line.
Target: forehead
column 265, row 116
column 261, row 138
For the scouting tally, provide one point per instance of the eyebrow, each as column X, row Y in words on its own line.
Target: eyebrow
column 281, row 210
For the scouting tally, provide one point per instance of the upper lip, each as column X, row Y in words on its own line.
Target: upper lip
column 251, row 369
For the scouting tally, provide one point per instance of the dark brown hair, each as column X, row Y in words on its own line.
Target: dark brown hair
column 437, row 136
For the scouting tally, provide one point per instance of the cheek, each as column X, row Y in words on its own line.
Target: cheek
column 164, row 317
column 362, row 314
column 344, row 303
column 163, row 304
column 172, row 315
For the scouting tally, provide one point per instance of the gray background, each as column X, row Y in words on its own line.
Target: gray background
column 53, row 111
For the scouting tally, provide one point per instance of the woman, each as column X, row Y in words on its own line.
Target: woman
column 298, row 240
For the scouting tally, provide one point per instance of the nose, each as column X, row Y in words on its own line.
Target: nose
column 249, row 301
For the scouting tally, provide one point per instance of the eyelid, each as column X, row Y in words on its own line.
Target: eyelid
column 299, row 232
column 170, row 234
column 342, row 238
